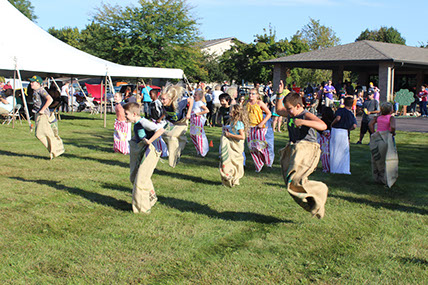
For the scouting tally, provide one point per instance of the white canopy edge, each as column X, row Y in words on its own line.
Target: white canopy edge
column 32, row 50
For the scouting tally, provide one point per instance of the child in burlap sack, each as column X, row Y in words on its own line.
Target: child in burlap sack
column 301, row 156
column 143, row 158
column 46, row 124
column 232, row 146
column 382, row 146
column 177, row 114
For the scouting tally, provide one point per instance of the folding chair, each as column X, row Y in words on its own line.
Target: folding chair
column 13, row 113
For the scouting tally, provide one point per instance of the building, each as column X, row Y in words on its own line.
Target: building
column 217, row 47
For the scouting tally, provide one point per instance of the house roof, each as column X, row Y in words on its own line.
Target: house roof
column 361, row 52
column 209, row 43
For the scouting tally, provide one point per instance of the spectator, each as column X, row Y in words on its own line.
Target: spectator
column 329, row 92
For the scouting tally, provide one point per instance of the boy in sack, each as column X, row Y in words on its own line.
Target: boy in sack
column 301, row 156
column 143, row 158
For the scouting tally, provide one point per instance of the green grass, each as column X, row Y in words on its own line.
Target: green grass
column 69, row 220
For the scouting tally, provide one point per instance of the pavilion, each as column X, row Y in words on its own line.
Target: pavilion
column 397, row 66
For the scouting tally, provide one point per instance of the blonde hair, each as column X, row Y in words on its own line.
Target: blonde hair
column 386, row 108
column 200, row 93
column 232, row 91
column 239, row 113
column 257, row 91
column 174, row 92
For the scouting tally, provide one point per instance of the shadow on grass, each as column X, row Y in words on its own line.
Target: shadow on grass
column 189, row 206
column 94, row 146
column 10, row 153
column 100, row 160
column 385, row 205
column 90, row 196
column 195, row 179
column 117, row 187
column 413, row 260
column 65, row 116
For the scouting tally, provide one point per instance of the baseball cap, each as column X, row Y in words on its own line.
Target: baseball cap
column 37, row 79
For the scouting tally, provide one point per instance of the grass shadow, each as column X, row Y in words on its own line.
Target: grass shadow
column 100, row 160
column 195, row 179
column 189, row 206
column 390, row 206
column 413, row 260
column 90, row 196
column 117, row 187
column 10, row 153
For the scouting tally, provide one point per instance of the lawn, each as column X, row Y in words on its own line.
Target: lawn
column 69, row 220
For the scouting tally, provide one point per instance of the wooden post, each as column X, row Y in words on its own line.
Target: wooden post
column 105, row 103
column 25, row 102
column 13, row 100
column 101, row 100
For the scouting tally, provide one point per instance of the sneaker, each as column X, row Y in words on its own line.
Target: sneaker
column 358, row 142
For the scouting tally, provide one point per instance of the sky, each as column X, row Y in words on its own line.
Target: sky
column 243, row 19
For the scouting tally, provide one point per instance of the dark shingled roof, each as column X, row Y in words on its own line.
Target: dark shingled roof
column 361, row 51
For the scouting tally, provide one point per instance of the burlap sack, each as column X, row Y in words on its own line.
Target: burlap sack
column 384, row 158
column 175, row 138
column 142, row 164
column 231, row 161
column 340, row 158
column 46, row 131
column 298, row 161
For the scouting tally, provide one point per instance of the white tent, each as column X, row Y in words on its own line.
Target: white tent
column 32, row 50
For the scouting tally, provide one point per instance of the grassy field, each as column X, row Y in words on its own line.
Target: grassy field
column 69, row 220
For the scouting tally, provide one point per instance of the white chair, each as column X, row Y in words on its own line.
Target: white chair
column 13, row 113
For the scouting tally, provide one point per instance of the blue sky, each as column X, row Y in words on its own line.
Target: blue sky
column 245, row 18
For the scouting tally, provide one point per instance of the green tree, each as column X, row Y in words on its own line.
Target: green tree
column 318, row 36
column 71, row 36
column 160, row 33
column 384, row 34
column 312, row 36
column 25, row 7
column 243, row 61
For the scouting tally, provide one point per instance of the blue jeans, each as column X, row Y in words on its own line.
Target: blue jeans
column 423, row 107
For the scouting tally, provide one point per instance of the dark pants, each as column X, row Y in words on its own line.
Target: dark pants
column 64, row 103
column 210, row 114
column 423, row 107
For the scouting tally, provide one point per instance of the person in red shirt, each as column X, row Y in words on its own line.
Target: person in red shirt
column 423, row 98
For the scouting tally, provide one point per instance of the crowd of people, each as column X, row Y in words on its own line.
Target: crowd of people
column 318, row 121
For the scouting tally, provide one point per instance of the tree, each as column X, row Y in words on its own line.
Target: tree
column 243, row 61
column 384, row 34
column 160, row 33
column 25, row 7
column 318, row 36
column 312, row 36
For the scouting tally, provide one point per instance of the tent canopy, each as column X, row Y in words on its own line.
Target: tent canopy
column 32, row 50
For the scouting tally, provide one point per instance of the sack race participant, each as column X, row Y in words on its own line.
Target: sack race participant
column 382, row 147
column 122, row 129
column 257, row 135
column 301, row 156
column 157, row 116
column 324, row 138
column 343, row 123
column 143, row 159
column 232, row 147
column 46, row 125
column 177, row 113
column 197, row 122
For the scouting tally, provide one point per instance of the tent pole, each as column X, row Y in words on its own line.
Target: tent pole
column 112, row 91
column 13, row 100
column 25, row 102
column 105, row 102
column 71, row 95
column 101, row 99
